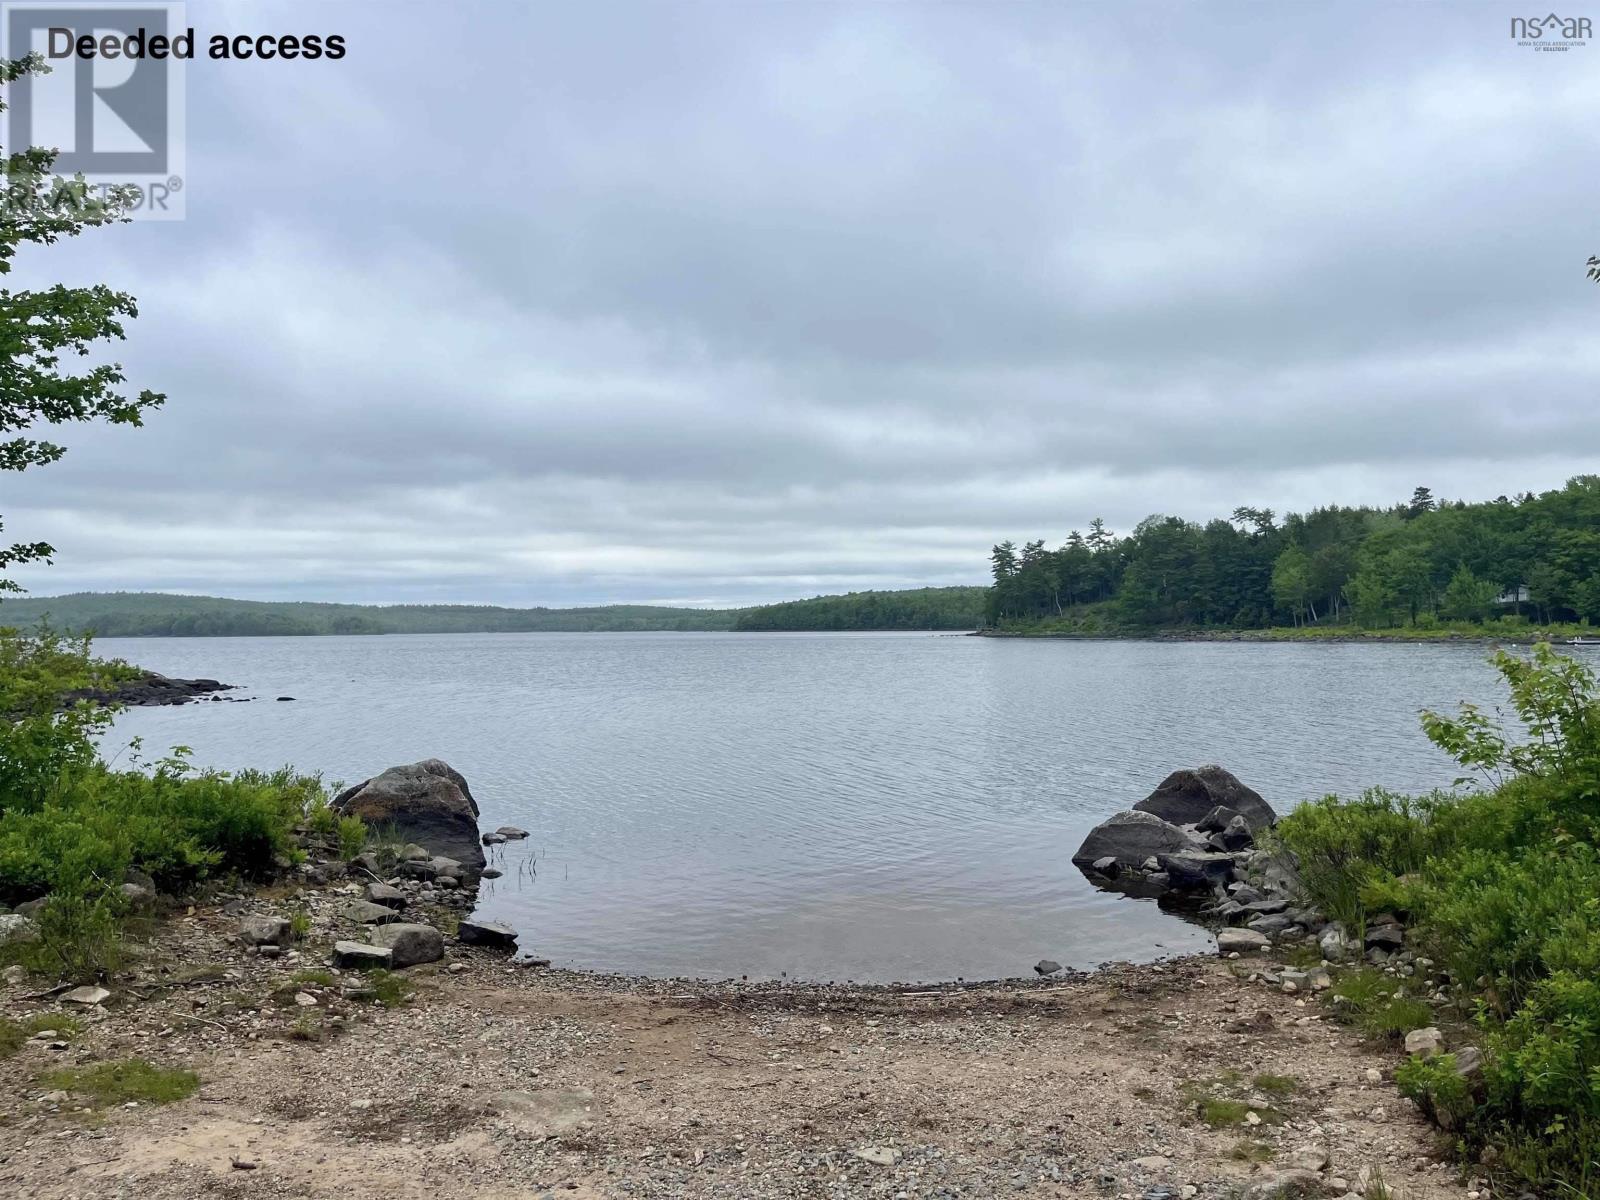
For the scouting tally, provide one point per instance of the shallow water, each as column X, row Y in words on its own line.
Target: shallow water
column 822, row 806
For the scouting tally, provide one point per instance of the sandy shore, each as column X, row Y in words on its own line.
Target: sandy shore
column 500, row 1081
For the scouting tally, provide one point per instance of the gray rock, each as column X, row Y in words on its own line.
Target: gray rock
column 493, row 839
column 492, row 934
column 1388, row 938
column 31, row 908
column 1216, row 820
column 1131, row 838
column 1307, row 1158
column 14, row 927
column 1262, row 908
column 1241, row 941
column 1047, row 966
column 511, row 833
column 1469, row 1062
column 1107, row 866
column 1271, row 924
column 87, row 996
column 411, row 944
column 264, row 931
column 1237, row 835
column 411, row 852
column 1187, row 797
column 365, row 912
column 427, row 803
column 490, row 873
column 14, row 976
column 1334, row 944
column 1426, row 1042
column 361, row 956
column 382, row 893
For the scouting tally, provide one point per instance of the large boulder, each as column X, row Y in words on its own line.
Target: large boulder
column 1132, row 837
column 1189, row 797
column 426, row 803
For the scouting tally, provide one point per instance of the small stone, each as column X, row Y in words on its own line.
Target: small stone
column 490, row 873
column 882, row 1156
column 1047, row 966
column 494, row 839
column 305, row 1000
column 1308, row 1158
column 264, row 931
column 511, row 833
column 365, row 912
column 14, row 976
column 86, row 995
column 1374, row 1075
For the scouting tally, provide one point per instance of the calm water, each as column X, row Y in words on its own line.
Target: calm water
column 826, row 806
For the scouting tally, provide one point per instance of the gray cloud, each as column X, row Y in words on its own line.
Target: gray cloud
column 718, row 303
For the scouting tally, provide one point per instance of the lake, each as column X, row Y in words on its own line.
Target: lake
column 875, row 807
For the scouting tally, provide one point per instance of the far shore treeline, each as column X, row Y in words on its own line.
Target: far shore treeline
column 1418, row 564
column 157, row 614
column 1502, row 565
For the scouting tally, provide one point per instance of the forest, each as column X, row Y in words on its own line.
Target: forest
column 1421, row 563
column 916, row 608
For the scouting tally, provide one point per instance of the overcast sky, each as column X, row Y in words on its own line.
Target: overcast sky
column 715, row 303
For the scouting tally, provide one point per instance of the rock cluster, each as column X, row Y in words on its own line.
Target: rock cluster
column 1192, row 838
column 151, row 689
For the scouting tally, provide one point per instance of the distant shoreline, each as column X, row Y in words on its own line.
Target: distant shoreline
column 1284, row 637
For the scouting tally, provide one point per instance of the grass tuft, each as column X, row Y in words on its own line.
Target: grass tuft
column 132, row 1079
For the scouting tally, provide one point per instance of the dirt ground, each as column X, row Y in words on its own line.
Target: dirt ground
column 497, row 1081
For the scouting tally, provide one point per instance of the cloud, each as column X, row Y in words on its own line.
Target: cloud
column 572, row 306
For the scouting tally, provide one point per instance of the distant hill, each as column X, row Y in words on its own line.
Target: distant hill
column 157, row 614
column 918, row 608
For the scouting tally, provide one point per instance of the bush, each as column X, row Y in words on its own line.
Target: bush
column 1503, row 886
column 72, row 828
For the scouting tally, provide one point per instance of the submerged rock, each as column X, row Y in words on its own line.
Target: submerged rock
column 1189, row 797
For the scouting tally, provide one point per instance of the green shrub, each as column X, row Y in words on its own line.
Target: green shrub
column 352, row 835
column 80, row 936
column 1344, row 848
